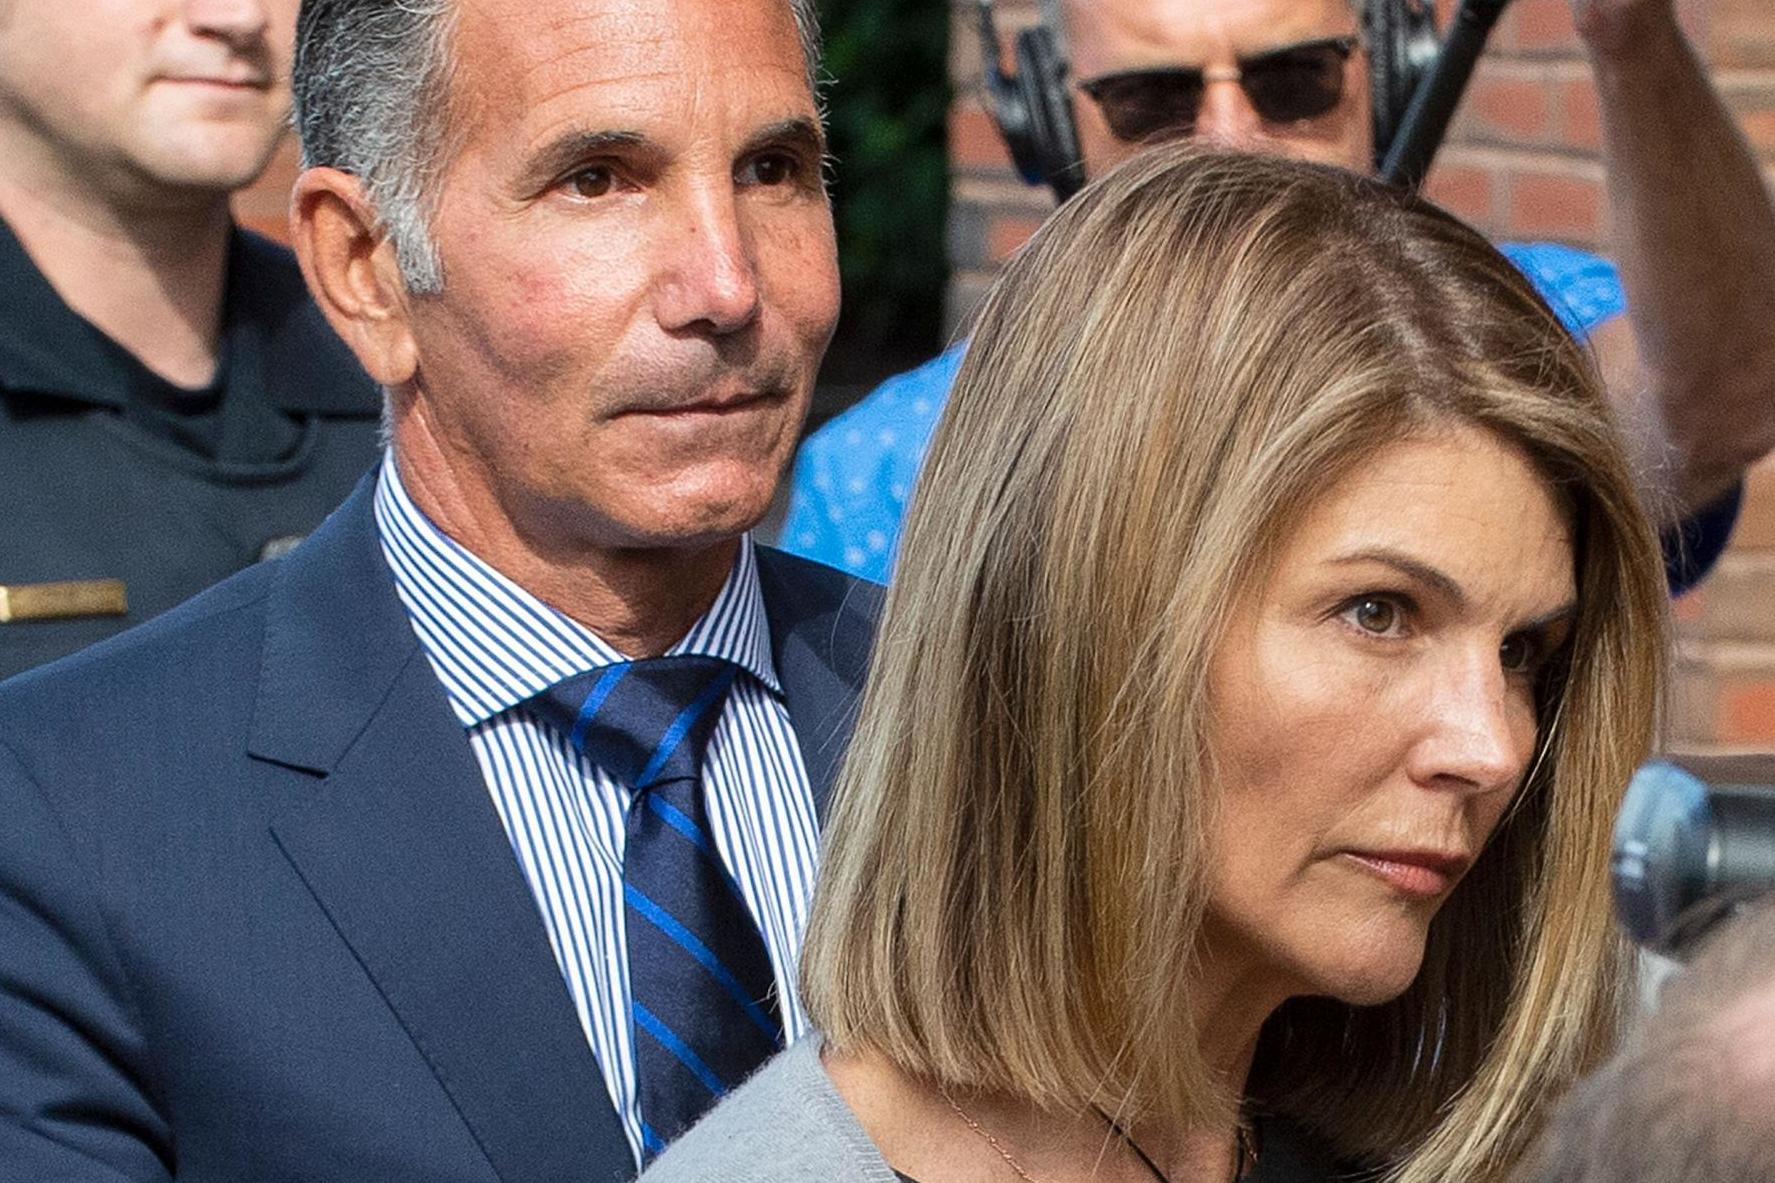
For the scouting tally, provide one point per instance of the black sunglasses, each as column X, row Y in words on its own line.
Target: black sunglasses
column 1285, row 85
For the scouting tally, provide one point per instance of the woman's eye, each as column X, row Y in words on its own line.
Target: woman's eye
column 593, row 182
column 1519, row 653
column 1374, row 614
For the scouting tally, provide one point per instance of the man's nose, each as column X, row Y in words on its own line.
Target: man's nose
column 710, row 282
column 1478, row 729
column 241, row 23
column 1227, row 117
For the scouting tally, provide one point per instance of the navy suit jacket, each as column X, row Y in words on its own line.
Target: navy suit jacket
column 259, row 920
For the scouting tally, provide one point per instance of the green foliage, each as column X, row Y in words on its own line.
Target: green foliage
column 886, row 110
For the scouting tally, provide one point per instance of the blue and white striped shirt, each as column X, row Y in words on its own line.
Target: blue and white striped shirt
column 494, row 646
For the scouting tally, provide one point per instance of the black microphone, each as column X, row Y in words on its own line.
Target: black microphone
column 1426, row 118
column 1688, row 853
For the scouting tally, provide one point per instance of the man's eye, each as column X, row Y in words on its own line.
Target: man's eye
column 593, row 182
column 776, row 168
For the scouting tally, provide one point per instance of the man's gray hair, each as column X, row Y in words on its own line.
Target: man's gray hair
column 371, row 86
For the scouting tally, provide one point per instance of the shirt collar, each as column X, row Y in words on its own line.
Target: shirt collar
column 494, row 645
column 48, row 348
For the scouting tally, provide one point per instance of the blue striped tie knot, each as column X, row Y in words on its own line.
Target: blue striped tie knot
column 644, row 722
column 701, row 983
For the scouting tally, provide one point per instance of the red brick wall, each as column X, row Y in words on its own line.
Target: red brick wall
column 1522, row 161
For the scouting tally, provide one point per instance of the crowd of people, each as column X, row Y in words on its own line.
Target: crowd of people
column 1220, row 790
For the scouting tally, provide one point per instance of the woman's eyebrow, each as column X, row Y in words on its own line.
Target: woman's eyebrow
column 1433, row 577
column 1445, row 584
column 1564, row 614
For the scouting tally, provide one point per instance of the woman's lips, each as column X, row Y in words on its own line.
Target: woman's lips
column 1419, row 874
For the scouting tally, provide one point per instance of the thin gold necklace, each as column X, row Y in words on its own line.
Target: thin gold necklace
column 1244, row 1155
column 991, row 1141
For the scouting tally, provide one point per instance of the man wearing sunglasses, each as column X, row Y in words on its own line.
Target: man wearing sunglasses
column 1691, row 365
column 1288, row 87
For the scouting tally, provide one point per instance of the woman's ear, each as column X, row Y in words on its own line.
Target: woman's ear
column 352, row 272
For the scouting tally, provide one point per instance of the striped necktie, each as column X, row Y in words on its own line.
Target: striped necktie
column 705, row 1013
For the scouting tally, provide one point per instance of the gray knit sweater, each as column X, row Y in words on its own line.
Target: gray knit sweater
column 787, row 1124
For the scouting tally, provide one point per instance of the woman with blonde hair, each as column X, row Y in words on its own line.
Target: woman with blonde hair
column 1274, row 631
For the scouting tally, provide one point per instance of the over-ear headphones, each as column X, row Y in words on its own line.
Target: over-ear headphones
column 1033, row 107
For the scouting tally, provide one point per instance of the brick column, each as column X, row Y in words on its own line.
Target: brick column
column 991, row 210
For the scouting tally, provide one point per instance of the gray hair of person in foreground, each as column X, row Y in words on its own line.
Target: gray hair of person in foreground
column 1691, row 1098
column 371, row 86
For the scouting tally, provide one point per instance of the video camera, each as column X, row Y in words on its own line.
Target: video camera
column 1694, row 842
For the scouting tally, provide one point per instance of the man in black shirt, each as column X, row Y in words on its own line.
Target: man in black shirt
column 172, row 406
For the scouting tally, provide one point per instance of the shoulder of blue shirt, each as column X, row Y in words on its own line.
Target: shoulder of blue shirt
column 853, row 476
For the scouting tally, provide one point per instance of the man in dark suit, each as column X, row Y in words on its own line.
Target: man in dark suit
column 472, row 840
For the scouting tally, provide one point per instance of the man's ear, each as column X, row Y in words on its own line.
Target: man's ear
column 352, row 272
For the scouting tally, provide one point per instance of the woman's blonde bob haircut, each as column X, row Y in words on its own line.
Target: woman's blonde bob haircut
column 1177, row 364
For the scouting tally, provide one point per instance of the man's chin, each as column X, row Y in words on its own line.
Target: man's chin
column 640, row 542
column 700, row 500
column 685, row 523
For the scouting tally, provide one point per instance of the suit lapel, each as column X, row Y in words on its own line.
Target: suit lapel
column 401, row 846
column 822, row 624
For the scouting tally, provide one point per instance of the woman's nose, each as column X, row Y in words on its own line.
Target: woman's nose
column 1478, row 727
